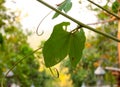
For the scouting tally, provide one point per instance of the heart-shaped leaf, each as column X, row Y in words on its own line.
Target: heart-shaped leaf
column 56, row 47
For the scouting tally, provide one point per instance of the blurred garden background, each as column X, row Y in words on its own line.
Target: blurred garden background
column 19, row 40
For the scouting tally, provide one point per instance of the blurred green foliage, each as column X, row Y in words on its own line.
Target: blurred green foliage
column 115, row 6
column 13, row 47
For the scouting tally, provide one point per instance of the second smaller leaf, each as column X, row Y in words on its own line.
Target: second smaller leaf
column 77, row 41
column 65, row 6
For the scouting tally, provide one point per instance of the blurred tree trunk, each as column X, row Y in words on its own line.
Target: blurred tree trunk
column 118, row 36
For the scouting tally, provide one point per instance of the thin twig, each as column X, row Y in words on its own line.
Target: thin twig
column 102, row 22
column 79, row 23
column 76, row 29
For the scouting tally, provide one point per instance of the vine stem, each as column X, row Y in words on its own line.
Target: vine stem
column 78, row 22
column 104, row 9
column 2, row 82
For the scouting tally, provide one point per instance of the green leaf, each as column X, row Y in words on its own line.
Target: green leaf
column 65, row 6
column 115, row 6
column 56, row 47
column 77, row 42
column 55, row 15
column 62, row 43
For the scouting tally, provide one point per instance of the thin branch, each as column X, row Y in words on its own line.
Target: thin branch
column 104, row 9
column 78, row 22
column 103, row 22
